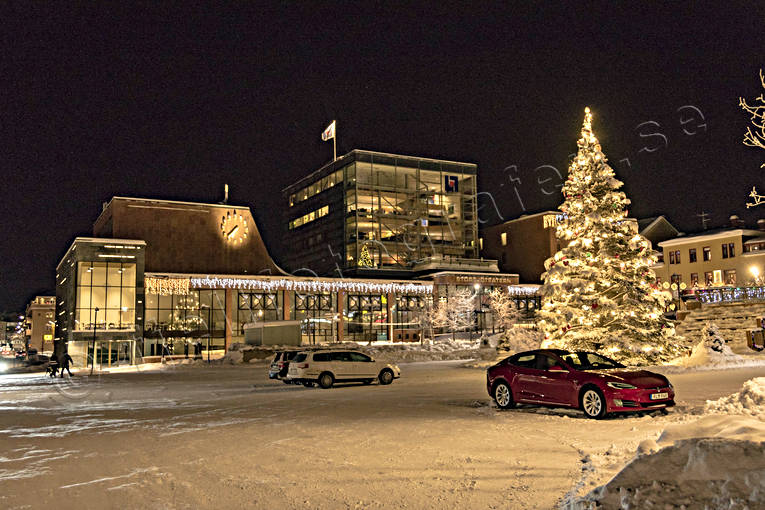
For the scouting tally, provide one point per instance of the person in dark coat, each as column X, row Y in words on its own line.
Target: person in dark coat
column 65, row 360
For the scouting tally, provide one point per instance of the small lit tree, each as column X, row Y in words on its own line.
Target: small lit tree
column 456, row 313
column 506, row 313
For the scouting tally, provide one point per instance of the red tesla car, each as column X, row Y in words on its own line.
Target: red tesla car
column 582, row 380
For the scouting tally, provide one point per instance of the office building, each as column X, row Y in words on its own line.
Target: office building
column 374, row 214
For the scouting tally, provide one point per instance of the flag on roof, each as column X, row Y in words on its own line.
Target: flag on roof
column 329, row 132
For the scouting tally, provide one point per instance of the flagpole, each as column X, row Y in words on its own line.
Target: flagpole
column 334, row 142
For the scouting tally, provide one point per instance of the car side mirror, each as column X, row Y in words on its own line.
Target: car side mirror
column 557, row 369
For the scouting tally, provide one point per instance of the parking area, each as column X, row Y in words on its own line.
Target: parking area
column 227, row 436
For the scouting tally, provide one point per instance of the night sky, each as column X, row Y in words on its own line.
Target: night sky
column 172, row 103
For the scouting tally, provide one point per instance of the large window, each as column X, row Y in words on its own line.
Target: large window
column 367, row 318
column 407, row 210
column 317, row 315
column 692, row 255
column 110, row 287
column 257, row 307
column 408, row 312
column 197, row 314
column 707, row 253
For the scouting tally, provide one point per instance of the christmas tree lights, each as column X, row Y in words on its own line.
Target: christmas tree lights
column 599, row 293
column 364, row 259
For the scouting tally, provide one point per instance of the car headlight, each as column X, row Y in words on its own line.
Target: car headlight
column 620, row 385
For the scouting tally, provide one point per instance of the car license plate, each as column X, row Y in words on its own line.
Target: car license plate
column 659, row 396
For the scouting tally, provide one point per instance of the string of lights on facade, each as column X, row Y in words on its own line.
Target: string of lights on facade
column 311, row 286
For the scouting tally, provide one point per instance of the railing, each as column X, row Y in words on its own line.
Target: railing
column 730, row 294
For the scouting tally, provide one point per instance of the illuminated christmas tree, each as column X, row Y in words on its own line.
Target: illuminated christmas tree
column 364, row 259
column 599, row 291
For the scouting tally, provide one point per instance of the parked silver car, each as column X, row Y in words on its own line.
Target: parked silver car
column 327, row 367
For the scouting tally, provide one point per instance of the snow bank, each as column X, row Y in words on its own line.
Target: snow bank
column 749, row 401
column 711, row 353
column 233, row 357
column 442, row 350
column 521, row 339
column 704, row 473
column 717, row 461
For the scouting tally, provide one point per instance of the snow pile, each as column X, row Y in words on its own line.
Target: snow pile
column 692, row 473
column 233, row 357
column 749, row 401
column 441, row 350
column 717, row 461
column 520, row 339
column 711, row 350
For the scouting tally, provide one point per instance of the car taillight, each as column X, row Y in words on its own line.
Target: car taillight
column 303, row 365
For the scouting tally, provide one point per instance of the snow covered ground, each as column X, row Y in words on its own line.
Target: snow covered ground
column 224, row 436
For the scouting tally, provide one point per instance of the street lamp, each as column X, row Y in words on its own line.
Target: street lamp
column 756, row 273
column 262, row 326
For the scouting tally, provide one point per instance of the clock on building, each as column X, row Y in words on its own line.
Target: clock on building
column 233, row 227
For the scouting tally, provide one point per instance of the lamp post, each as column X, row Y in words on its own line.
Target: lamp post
column 262, row 326
column 93, row 357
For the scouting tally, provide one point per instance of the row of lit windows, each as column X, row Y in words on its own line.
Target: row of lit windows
column 317, row 187
column 308, row 218
column 728, row 251
column 716, row 277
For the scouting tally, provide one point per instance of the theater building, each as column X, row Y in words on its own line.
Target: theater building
column 197, row 277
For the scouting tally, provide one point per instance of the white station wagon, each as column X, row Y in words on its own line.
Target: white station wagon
column 326, row 367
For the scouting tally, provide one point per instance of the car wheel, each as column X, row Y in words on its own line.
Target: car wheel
column 593, row 403
column 308, row 384
column 503, row 396
column 386, row 377
column 326, row 380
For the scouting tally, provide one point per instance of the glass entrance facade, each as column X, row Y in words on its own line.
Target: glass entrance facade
column 105, row 296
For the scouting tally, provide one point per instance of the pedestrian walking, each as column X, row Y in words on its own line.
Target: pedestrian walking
column 65, row 360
